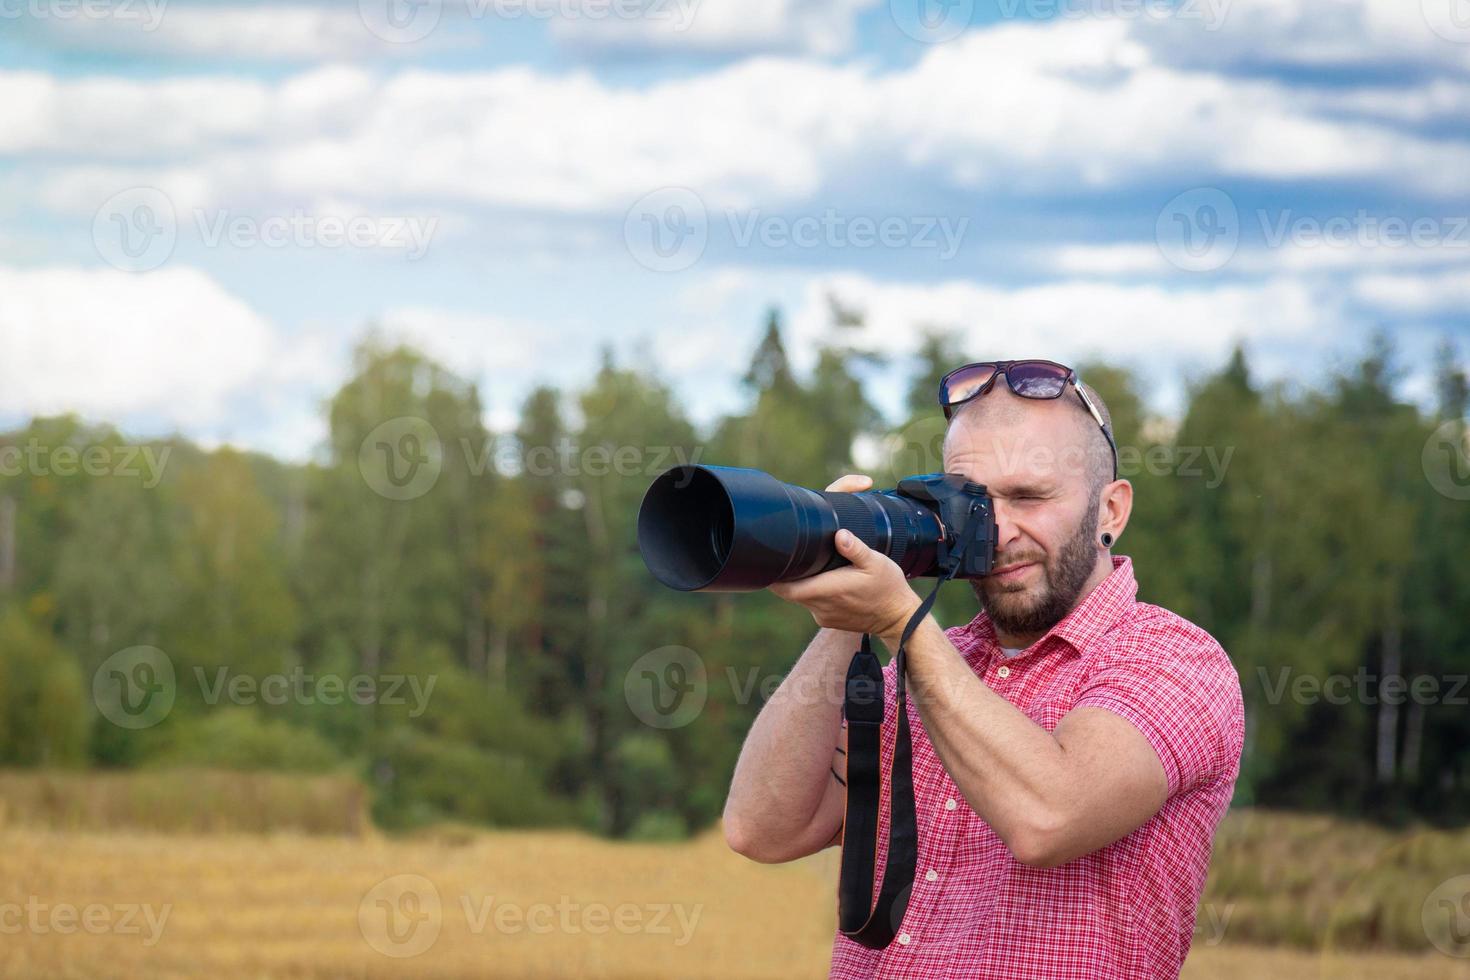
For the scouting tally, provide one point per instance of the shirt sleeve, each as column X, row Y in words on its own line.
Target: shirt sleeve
column 1183, row 693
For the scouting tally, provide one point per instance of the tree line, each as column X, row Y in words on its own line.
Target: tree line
column 460, row 616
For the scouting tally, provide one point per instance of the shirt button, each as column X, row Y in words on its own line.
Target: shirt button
column 950, row 804
column 1004, row 671
column 931, row 875
column 903, row 939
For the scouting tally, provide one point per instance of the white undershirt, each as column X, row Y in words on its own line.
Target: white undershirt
column 1011, row 651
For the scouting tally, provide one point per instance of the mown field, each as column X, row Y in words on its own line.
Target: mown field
column 88, row 902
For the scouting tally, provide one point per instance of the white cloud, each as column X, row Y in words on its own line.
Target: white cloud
column 1071, row 319
column 171, row 345
column 1013, row 109
column 1034, row 107
column 1315, row 33
column 125, row 118
column 1417, row 294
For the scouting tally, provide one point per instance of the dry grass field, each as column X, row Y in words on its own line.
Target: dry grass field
column 85, row 904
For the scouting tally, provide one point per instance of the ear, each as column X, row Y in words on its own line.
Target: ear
column 1114, row 506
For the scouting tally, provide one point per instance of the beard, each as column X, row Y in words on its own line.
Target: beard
column 1021, row 610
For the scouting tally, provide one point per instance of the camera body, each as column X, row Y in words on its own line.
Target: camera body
column 966, row 513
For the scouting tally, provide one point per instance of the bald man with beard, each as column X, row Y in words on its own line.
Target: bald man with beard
column 1073, row 749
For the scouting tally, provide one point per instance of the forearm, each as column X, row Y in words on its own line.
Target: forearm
column 784, row 769
column 1012, row 772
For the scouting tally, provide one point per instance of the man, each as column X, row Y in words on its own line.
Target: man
column 1073, row 749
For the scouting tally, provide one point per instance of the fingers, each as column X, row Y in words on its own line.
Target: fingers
column 851, row 483
column 853, row 549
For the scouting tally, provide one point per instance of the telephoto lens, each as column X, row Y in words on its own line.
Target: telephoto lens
column 731, row 529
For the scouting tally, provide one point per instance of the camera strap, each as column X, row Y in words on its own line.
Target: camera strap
column 875, row 925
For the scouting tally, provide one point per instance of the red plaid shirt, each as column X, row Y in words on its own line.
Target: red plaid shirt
column 1124, row 911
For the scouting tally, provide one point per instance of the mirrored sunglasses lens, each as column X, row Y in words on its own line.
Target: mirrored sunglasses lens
column 965, row 383
column 1031, row 379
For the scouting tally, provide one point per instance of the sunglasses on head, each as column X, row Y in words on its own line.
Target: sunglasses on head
column 1042, row 380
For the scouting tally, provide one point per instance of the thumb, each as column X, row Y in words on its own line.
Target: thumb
column 849, row 546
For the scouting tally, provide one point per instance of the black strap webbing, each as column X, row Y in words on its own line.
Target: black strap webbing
column 875, row 925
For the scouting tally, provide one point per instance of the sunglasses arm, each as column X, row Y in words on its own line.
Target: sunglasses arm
column 1097, row 417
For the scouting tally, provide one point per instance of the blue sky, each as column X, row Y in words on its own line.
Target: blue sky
column 202, row 205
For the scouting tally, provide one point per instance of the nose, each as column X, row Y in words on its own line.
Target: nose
column 1006, row 532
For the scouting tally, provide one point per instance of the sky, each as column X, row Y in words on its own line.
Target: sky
column 204, row 205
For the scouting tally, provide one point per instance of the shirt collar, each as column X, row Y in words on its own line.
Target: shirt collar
column 1088, row 621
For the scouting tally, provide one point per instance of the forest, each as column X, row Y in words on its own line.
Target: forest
column 459, row 617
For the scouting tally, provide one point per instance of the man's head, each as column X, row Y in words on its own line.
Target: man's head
column 1049, row 469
